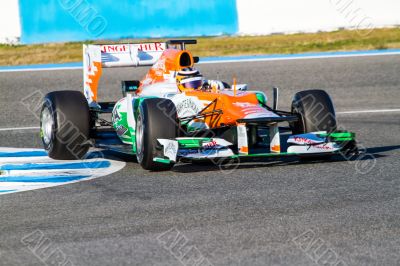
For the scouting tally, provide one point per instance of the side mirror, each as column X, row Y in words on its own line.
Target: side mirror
column 276, row 98
column 240, row 87
column 129, row 86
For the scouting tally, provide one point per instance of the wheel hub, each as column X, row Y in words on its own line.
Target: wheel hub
column 47, row 126
column 139, row 139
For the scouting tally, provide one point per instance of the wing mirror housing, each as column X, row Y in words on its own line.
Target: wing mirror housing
column 240, row 87
column 129, row 86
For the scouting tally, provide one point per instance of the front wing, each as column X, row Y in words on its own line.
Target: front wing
column 310, row 144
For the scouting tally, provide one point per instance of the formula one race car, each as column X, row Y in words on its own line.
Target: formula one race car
column 174, row 114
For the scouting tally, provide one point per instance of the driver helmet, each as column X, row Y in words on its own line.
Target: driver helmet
column 189, row 78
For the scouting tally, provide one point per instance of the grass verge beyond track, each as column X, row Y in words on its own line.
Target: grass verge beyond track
column 342, row 40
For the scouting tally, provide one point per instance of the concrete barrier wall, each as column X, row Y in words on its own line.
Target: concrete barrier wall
column 76, row 20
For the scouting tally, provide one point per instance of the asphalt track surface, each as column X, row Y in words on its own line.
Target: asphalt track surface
column 264, row 213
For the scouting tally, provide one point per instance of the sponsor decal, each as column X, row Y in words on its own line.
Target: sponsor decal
column 188, row 106
column 324, row 147
column 125, row 48
column 151, row 47
column 304, row 140
column 216, row 143
column 120, row 107
column 114, row 48
column 320, row 148
column 211, row 144
column 121, row 130
column 171, row 150
column 115, row 116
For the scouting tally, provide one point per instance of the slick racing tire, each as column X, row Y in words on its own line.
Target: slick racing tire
column 315, row 110
column 316, row 113
column 64, row 125
column 156, row 119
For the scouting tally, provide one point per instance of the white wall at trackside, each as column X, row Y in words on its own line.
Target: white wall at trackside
column 255, row 17
column 258, row 17
column 10, row 28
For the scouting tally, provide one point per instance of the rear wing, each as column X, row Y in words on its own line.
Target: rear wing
column 99, row 56
column 96, row 57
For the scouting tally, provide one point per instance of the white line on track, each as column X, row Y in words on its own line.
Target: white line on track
column 245, row 60
column 18, row 128
column 341, row 113
column 369, row 111
column 40, row 69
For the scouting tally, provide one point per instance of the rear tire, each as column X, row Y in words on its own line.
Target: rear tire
column 157, row 119
column 64, row 125
column 315, row 110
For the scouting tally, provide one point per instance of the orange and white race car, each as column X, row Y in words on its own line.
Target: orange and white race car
column 175, row 114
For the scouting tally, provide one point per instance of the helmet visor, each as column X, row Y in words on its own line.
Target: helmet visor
column 192, row 83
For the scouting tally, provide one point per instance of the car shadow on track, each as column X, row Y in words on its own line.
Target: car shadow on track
column 378, row 150
column 118, row 156
column 210, row 166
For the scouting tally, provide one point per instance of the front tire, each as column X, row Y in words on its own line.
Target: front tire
column 316, row 113
column 315, row 110
column 156, row 119
column 64, row 125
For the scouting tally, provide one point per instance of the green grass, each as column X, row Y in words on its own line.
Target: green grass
column 343, row 40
